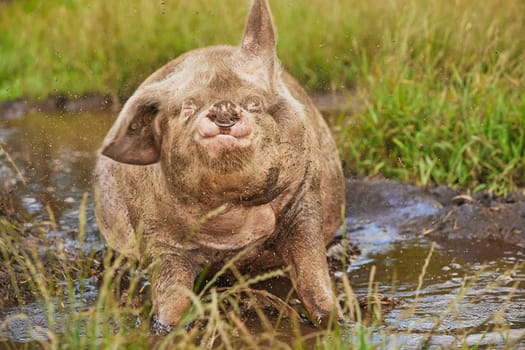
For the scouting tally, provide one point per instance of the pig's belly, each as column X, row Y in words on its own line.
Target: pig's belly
column 237, row 228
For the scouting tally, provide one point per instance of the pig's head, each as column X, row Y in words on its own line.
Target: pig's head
column 220, row 120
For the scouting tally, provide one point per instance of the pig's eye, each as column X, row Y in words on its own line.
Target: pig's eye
column 253, row 104
column 189, row 107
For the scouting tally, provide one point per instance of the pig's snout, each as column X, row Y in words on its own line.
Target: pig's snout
column 224, row 114
column 224, row 118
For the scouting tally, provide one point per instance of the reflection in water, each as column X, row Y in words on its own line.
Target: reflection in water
column 458, row 296
column 485, row 286
column 56, row 156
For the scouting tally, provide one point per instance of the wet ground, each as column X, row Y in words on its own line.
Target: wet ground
column 453, row 263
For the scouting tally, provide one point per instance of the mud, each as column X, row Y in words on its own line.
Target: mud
column 445, row 215
column 475, row 239
column 57, row 104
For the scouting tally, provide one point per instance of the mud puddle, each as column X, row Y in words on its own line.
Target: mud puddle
column 453, row 263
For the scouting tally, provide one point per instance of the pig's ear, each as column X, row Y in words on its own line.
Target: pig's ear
column 138, row 141
column 259, row 34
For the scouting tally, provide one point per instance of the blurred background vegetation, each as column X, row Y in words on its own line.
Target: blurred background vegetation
column 438, row 84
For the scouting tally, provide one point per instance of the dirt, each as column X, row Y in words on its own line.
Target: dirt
column 59, row 104
column 439, row 213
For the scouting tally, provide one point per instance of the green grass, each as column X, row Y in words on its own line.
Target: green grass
column 71, row 47
column 440, row 84
column 439, row 135
column 443, row 97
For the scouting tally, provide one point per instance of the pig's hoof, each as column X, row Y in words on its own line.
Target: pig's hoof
column 159, row 328
column 328, row 319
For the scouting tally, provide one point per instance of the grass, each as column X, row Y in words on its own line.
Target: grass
column 443, row 97
column 440, row 85
column 443, row 135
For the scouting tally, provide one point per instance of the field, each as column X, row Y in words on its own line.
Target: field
column 438, row 92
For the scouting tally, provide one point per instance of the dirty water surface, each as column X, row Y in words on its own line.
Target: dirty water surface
column 444, row 286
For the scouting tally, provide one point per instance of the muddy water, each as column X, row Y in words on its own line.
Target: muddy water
column 464, row 291
column 456, row 297
column 55, row 156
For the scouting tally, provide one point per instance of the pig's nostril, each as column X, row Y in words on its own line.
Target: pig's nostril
column 224, row 121
column 224, row 125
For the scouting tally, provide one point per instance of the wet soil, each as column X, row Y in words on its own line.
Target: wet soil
column 476, row 240
column 447, row 216
column 57, row 104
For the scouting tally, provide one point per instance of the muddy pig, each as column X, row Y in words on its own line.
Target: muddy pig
column 217, row 152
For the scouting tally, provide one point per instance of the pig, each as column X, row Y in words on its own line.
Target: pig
column 218, row 152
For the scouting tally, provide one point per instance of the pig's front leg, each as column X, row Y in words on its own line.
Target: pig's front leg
column 303, row 249
column 172, row 282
